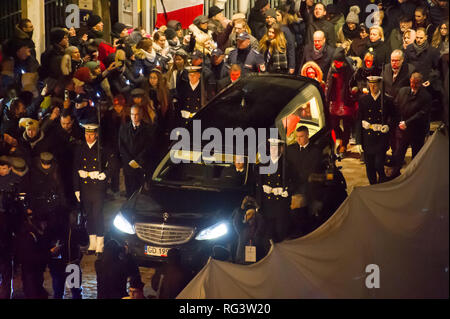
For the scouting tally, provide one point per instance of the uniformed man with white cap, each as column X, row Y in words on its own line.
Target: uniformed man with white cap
column 91, row 165
column 190, row 95
column 374, row 115
column 272, row 194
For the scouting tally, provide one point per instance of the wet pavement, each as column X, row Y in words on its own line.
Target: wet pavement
column 352, row 168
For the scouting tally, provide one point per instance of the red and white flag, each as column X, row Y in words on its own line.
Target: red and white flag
column 184, row 11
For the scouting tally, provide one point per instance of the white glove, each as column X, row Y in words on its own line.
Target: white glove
column 101, row 176
column 83, row 174
column 186, row 114
column 134, row 164
column 376, row 127
column 267, row 189
column 77, row 195
column 385, row 129
column 93, row 175
column 277, row 191
column 365, row 124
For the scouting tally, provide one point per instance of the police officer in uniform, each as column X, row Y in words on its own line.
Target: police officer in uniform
column 190, row 95
column 91, row 165
column 272, row 195
column 374, row 114
column 248, row 59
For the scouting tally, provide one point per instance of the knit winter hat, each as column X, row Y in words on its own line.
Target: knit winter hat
column 92, row 65
column 352, row 16
column 93, row 20
column 339, row 54
column 56, row 35
column 170, row 33
column 117, row 28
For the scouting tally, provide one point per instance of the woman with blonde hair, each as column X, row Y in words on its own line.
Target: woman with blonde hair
column 408, row 38
column 377, row 47
column 273, row 48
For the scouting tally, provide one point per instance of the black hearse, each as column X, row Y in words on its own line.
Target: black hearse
column 189, row 205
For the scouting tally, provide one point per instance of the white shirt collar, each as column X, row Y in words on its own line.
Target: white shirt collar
column 194, row 86
column 90, row 145
column 303, row 146
column 376, row 96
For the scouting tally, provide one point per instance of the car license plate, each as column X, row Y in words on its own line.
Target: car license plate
column 156, row 251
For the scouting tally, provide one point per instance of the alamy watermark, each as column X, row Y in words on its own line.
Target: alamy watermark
column 256, row 150
column 373, row 279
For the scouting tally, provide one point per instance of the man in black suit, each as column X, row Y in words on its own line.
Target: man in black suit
column 412, row 120
column 304, row 160
column 135, row 145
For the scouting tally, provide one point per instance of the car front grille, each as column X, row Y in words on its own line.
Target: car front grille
column 162, row 234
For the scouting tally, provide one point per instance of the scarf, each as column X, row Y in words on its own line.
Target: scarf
column 420, row 48
column 150, row 56
column 350, row 34
column 317, row 54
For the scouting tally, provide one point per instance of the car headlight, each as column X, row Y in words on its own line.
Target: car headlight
column 213, row 232
column 122, row 224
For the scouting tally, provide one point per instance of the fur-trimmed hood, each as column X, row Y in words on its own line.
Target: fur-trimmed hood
column 316, row 67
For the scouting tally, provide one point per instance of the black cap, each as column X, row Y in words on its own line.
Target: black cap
column 196, row 55
column 137, row 92
column 339, row 54
column 243, row 36
column 217, row 52
column 93, row 20
column 214, row 10
column 57, row 34
column 117, row 28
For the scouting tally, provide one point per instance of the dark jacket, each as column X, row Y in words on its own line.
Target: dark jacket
column 413, row 109
column 380, row 50
column 30, row 149
column 332, row 94
column 301, row 164
column 257, row 23
column 136, row 144
column 323, row 60
column 392, row 86
column 86, row 159
column 370, row 110
column 426, row 62
column 323, row 25
column 112, row 275
column 51, row 62
column 249, row 60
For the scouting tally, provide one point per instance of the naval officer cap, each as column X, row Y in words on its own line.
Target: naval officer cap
column 90, row 127
column 46, row 157
column 193, row 68
column 374, row 79
column 275, row 141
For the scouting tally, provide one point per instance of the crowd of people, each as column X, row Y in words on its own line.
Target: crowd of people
column 97, row 103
